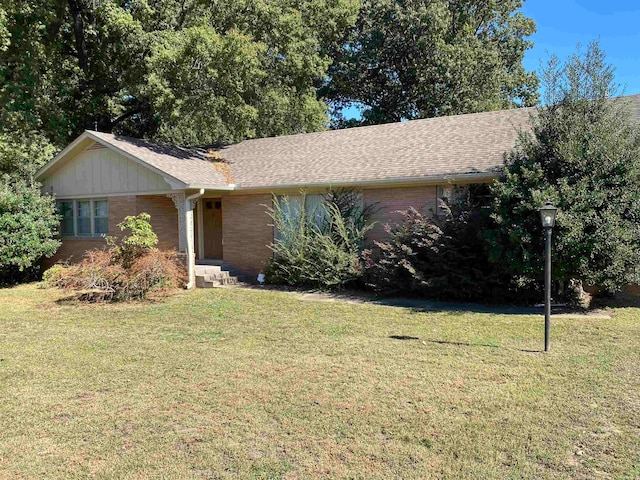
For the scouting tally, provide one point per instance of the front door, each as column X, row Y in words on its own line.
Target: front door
column 212, row 227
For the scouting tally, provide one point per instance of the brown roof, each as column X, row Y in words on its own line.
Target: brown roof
column 429, row 148
column 441, row 146
column 186, row 165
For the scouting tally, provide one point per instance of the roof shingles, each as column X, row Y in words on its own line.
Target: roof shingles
column 435, row 147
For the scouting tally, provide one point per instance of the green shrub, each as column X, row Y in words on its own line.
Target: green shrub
column 28, row 227
column 319, row 248
column 583, row 154
column 446, row 258
column 140, row 241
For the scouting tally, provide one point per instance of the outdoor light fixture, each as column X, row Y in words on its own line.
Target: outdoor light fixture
column 548, row 217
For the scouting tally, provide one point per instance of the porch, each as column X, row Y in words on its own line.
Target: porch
column 218, row 236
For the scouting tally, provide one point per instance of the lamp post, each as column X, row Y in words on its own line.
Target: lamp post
column 548, row 216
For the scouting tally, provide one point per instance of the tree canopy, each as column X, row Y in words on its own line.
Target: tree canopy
column 219, row 71
column 408, row 59
column 189, row 71
column 583, row 154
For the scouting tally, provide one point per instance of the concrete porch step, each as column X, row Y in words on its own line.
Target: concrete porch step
column 214, row 276
column 202, row 270
column 202, row 282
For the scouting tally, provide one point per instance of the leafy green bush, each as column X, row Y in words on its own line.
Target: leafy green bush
column 319, row 248
column 583, row 154
column 28, row 227
column 445, row 258
column 126, row 270
column 136, row 244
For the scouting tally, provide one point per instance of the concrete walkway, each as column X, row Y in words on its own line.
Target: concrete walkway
column 434, row 306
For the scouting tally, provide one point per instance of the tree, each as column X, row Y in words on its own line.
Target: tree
column 408, row 59
column 189, row 71
column 28, row 226
column 583, row 154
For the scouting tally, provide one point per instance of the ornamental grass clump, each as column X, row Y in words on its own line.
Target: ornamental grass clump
column 127, row 269
column 318, row 247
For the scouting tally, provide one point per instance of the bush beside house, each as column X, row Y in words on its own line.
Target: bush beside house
column 444, row 257
column 321, row 246
column 128, row 269
column 583, row 154
column 28, row 229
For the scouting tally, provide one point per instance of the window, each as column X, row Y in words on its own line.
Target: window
column 448, row 196
column 84, row 218
column 100, row 217
column 463, row 196
column 313, row 206
column 66, row 210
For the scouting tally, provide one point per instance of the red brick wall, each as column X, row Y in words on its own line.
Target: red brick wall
column 246, row 232
column 164, row 220
column 389, row 201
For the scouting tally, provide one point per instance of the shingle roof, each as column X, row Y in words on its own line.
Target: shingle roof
column 186, row 165
column 429, row 148
column 420, row 148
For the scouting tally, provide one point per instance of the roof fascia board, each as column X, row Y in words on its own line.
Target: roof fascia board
column 388, row 182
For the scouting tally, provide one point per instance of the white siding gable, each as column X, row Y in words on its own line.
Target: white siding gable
column 101, row 171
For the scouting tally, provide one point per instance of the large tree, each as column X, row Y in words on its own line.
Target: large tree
column 408, row 59
column 583, row 154
column 189, row 71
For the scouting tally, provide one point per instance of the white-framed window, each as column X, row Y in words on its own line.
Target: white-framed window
column 291, row 206
column 314, row 205
column 84, row 217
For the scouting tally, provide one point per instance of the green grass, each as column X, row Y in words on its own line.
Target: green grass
column 259, row 384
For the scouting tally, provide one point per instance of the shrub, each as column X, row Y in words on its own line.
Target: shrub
column 319, row 248
column 583, row 154
column 139, row 242
column 445, row 258
column 126, row 270
column 28, row 226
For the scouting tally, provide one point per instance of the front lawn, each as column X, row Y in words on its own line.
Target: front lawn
column 259, row 384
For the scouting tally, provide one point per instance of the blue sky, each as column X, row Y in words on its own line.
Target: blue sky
column 562, row 24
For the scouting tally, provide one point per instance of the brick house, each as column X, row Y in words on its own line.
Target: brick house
column 210, row 204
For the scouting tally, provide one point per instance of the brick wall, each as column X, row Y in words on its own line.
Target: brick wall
column 246, row 232
column 388, row 201
column 164, row 220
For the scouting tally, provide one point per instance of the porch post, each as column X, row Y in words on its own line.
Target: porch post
column 200, row 221
column 185, row 232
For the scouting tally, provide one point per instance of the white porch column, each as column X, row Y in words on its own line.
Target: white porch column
column 185, row 232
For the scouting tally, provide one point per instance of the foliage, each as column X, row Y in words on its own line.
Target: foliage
column 28, row 227
column 444, row 257
column 141, row 240
column 583, row 154
column 417, row 59
column 102, row 276
column 318, row 248
column 22, row 152
column 127, row 270
column 189, row 71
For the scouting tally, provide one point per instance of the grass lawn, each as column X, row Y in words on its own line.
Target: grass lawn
column 259, row 384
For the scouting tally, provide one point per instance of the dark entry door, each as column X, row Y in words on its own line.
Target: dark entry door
column 212, row 227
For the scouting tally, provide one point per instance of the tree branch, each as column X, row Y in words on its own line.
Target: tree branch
column 78, row 29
